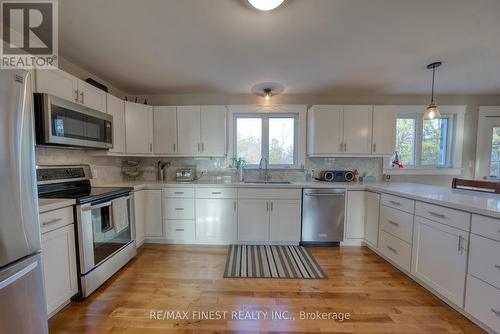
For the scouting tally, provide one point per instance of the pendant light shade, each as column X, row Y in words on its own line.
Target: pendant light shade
column 265, row 5
column 432, row 111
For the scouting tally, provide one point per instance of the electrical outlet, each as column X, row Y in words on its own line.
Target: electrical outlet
column 471, row 163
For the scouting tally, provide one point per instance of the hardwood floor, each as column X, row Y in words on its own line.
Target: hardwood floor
column 379, row 298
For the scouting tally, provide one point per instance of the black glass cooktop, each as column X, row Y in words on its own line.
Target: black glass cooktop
column 81, row 191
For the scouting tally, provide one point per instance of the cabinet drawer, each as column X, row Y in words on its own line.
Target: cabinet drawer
column 451, row 217
column 178, row 192
column 216, row 193
column 486, row 226
column 52, row 220
column 399, row 203
column 180, row 230
column 484, row 259
column 395, row 249
column 483, row 302
column 179, row 208
column 269, row 193
column 396, row 222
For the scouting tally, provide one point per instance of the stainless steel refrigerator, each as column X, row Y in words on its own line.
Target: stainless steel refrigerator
column 22, row 299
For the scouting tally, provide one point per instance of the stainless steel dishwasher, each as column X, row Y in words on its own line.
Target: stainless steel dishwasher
column 323, row 212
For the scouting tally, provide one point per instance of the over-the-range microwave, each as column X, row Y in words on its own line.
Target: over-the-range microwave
column 62, row 122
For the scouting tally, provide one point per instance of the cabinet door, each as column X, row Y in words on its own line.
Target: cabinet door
column 139, row 128
column 57, row 82
column 372, row 201
column 213, row 130
column 91, row 97
column 355, row 216
column 384, row 124
column 116, row 108
column 216, row 220
column 439, row 258
column 139, row 205
column 59, row 266
column 188, row 130
column 253, row 220
column 153, row 214
column 324, row 130
column 165, row 129
column 357, row 129
column 285, row 220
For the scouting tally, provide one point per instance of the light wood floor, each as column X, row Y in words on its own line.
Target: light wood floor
column 189, row 278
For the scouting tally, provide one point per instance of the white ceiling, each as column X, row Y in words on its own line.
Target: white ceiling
column 309, row 46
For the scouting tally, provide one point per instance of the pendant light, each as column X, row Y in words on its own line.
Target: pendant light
column 265, row 5
column 432, row 111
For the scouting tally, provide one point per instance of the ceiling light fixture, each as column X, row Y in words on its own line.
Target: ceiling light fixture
column 432, row 111
column 265, row 5
column 267, row 93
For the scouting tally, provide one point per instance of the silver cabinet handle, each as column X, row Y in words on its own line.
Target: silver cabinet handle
column 272, row 206
column 198, row 147
column 395, row 203
column 461, row 246
column 374, row 147
column 267, row 206
column 341, row 147
column 345, row 147
column 438, row 215
column 392, row 222
column 81, row 97
column 51, row 222
column 76, row 95
column 174, row 147
column 497, row 313
column 179, row 209
column 179, row 229
column 392, row 249
column 234, row 206
column 497, row 266
column 150, row 147
column 179, row 192
column 203, row 147
column 216, row 193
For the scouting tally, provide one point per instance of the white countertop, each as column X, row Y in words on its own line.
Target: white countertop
column 472, row 201
column 50, row 204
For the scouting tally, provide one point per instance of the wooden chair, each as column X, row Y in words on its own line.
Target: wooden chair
column 476, row 185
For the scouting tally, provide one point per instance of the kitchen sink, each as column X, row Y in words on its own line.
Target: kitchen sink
column 268, row 182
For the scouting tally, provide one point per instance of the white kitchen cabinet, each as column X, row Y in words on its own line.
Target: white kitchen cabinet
column 439, row 258
column 139, row 128
column 253, row 220
column 139, row 208
column 383, row 132
column 213, row 130
column 284, row 223
column 355, row 216
column 116, row 108
column 91, row 97
column 324, row 130
column 372, row 202
column 188, row 130
column 153, row 217
column 165, row 129
column 58, row 83
column 357, row 132
column 216, row 220
column 59, row 266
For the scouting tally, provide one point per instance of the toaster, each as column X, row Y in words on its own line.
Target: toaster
column 185, row 174
column 336, row 176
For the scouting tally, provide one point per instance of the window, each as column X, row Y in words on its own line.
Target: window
column 272, row 136
column 424, row 143
column 495, row 153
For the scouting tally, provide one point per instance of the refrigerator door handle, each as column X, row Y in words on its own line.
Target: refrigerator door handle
column 11, row 279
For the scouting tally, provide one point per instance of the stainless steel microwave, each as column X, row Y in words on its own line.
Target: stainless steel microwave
column 65, row 123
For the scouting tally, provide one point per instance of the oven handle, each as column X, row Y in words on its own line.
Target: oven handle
column 98, row 206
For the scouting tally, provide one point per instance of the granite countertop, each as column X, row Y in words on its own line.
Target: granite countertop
column 50, row 204
column 487, row 204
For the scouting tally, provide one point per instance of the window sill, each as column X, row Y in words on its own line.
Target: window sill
column 423, row 171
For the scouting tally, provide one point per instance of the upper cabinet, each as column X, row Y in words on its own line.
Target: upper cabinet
column 384, row 123
column 339, row 130
column 116, row 108
column 59, row 83
column 188, row 130
column 138, row 128
column 165, row 130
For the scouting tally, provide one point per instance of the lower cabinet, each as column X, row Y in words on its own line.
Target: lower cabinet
column 216, row 220
column 355, row 215
column 284, row 221
column 372, row 202
column 59, row 266
column 439, row 258
column 253, row 220
column 153, row 218
column 139, row 209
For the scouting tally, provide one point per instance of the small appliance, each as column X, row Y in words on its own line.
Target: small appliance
column 336, row 176
column 185, row 174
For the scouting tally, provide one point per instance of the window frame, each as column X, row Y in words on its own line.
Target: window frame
column 265, row 137
column 417, row 154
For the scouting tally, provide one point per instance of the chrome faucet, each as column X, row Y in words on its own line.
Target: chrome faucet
column 264, row 169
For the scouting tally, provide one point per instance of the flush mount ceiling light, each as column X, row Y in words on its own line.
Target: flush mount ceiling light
column 265, row 5
column 267, row 93
column 432, row 111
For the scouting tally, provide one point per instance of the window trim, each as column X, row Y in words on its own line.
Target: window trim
column 265, row 137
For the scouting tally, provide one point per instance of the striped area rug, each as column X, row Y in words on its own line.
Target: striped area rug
column 271, row 262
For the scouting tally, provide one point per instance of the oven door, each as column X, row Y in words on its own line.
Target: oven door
column 104, row 227
column 71, row 124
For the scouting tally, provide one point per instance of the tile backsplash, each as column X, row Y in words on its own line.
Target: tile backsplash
column 108, row 169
